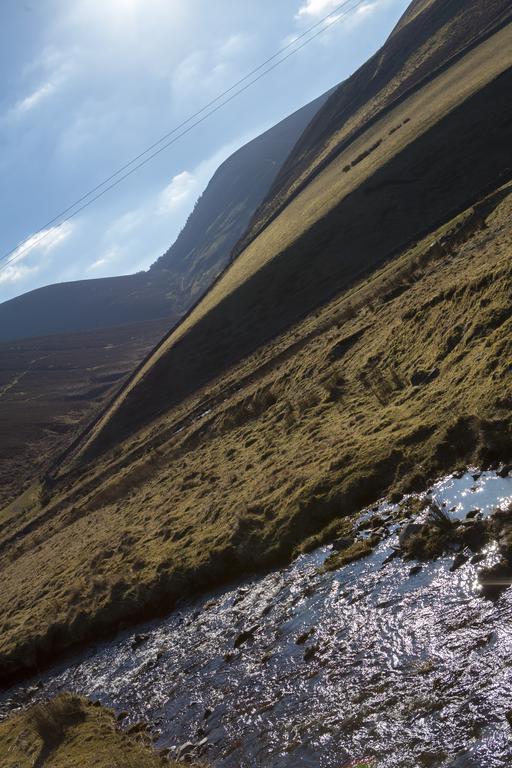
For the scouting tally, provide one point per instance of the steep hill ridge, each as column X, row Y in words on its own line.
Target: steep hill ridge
column 402, row 176
column 185, row 271
column 429, row 37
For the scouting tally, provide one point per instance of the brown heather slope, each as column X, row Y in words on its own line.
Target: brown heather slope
column 289, row 442
column 51, row 386
column 420, row 164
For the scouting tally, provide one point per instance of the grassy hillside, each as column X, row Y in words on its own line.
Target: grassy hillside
column 297, row 437
column 186, row 270
column 402, row 177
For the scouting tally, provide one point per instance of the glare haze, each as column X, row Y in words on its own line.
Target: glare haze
column 88, row 84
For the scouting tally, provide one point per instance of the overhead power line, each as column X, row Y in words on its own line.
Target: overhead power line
column 144, row 157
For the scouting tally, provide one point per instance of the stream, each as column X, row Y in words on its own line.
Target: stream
column 322, row 670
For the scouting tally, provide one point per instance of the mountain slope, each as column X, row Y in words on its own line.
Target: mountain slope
column 175, row 281
column 427, row 39
column 403, row 175
column 51, row 386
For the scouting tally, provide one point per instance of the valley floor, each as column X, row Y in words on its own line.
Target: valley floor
column 51, row 386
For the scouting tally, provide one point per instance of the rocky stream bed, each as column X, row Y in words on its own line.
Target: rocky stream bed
column 398, row 662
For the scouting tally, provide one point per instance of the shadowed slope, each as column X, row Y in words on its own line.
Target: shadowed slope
column 428, row 37
column 403, row 176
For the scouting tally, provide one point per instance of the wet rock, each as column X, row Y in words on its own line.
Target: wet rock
column 411, row 529
column 244, row 636
column 207, row 713
column 472, row 514
column 185, row 751
column 477, row 559
column 140, row 727
column 139, row 640
column 240, row 595
column 459, row 560
column 311, row 651
column 394, row 554
column 495, row 578
column 122, row 716
column 301, row 639
column 505, row 471
column 343, row 543
column 473, row 533
column 415, row 570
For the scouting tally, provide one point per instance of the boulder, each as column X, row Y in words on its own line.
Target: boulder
column 342, row 543
column 495, row 578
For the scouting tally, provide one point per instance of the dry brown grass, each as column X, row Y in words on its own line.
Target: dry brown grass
column 284, row 446
column 70, row 732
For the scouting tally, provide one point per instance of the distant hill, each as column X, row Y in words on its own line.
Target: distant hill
column 199, row 254
column 50, row 386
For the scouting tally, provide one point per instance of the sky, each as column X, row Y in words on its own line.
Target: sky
column 86, row 85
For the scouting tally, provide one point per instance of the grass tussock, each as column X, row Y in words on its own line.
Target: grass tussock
column 356, row 551
column 71, row 732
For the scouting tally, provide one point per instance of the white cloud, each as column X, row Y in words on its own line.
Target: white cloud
column 125, row 224
column 179, row 191
column 316, row 8
column 54, row 69
column 110, row 255
column 207, row 72
column 41, row 244
column 313, row 8
column 31, row 101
